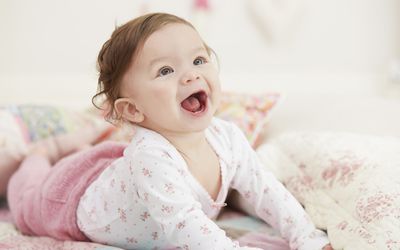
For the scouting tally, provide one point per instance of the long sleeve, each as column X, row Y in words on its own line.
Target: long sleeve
column 271, row 200
column 161, row 188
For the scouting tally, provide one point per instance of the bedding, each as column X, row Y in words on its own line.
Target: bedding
column 348, row 183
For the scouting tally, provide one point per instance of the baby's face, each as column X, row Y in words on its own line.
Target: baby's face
column 173, row 82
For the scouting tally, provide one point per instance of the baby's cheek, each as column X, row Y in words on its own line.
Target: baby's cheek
column 162, row 93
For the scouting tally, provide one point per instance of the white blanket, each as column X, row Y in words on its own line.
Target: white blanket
column 348, row 183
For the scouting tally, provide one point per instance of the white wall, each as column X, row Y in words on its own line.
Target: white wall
column 49, row 47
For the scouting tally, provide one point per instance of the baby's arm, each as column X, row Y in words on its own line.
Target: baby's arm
column 160, row 184
column 271, row 201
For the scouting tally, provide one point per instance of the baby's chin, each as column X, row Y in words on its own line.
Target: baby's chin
column 198, row 125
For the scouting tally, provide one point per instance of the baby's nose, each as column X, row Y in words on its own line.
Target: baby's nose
column 190, row 76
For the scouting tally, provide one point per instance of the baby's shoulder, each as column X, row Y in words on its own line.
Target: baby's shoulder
column 150, row 146
column 222, row 129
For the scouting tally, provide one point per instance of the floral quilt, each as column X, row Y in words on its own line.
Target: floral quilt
column 348, row 183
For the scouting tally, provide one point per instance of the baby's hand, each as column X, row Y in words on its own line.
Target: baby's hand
column 327, row 247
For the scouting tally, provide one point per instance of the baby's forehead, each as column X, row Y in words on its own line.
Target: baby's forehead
column 170, row 40
column 173, row 35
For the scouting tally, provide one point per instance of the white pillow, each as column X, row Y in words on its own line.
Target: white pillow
column 348, row 183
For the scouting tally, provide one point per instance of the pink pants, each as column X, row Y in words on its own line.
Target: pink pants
column 43, row 199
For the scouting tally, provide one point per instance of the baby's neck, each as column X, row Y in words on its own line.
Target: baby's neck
column 188, row 144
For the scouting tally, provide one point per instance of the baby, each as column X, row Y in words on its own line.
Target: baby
column 163, row 189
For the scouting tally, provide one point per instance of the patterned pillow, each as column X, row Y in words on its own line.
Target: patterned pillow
column 250, row 112
column 348, row 183
column 24, row 124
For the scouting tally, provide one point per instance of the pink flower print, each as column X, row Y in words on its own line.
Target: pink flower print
column 217, row 129
column 107, row 229
column 374, row 207
column 295, row 242
column 92, row 212
column 392, row 244
column 266, row 190
column 165, row 155
column 131, row 240
column 105, row 206
column 144, row 216
column 112, row 183
column 302, row 166
column 130, row 168
column 122, row 214
column 146, row 172
column 363, row 233
column 289, row 220
column 313, row 235
column 180, row 225
column 123, row 187
column 185, row 247
column 266, row 211
column 204, row 229
column 154, row 235
column 342, row 170
column 169, row 188
column 182, row 172
column 146, row 196
column 167, row 209
column 247, row 195
column 139, row 141
column 300, row 184
column 342, row 225
column 80, row 225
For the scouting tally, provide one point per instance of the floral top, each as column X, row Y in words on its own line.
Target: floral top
column 148, row 199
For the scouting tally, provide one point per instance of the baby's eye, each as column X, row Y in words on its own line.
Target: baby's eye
column 199, row 60
column 165, row 71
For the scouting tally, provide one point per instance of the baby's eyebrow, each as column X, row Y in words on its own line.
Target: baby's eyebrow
column 199, row 49
column 164, row 58
column 157, row 59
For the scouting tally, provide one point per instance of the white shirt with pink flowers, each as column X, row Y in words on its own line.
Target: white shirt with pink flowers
column 148, row 199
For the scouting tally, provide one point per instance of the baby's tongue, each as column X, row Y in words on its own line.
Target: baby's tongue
column 191, row 104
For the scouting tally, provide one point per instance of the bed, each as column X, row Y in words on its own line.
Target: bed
column 341, row 160
column 340, row 156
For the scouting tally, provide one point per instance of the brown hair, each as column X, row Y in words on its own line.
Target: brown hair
column 117, row 53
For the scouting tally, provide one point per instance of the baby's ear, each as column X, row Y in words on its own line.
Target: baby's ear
column 126, row 108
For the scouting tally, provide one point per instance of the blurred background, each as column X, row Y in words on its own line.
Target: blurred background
column 348, row 47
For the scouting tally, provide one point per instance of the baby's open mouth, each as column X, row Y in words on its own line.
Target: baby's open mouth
column 195, row 102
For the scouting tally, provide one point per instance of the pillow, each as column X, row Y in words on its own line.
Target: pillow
column 348, row 183
column 24, row 125
column 248, row 111
column 30, row 123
